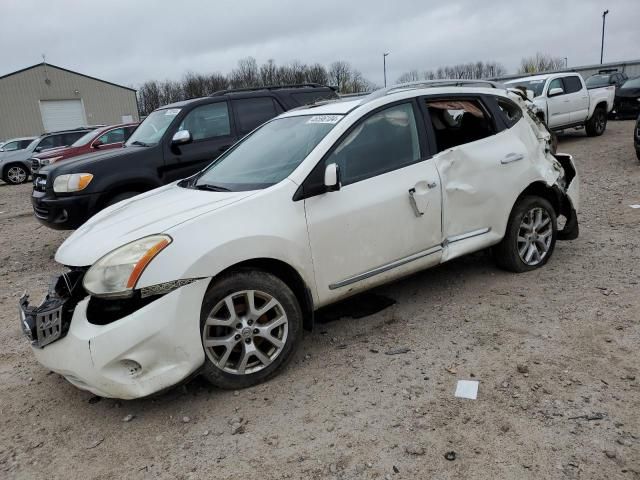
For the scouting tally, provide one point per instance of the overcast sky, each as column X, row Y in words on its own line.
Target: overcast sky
column 130, row 41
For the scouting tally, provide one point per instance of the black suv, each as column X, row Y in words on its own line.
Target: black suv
column 173, row 142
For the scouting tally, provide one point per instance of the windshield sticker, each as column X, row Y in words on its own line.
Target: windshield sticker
column 172, row 112
column 537, row 81
column 324, row 119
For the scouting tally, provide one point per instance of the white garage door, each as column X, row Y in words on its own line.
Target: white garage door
column 62, row 114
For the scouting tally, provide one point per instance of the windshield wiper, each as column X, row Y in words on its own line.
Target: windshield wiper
column 138, row 142
column 211, row 188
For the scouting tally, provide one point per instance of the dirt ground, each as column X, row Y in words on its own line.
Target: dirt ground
column 555, row 352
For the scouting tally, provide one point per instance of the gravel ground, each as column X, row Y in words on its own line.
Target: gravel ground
column 555, row 352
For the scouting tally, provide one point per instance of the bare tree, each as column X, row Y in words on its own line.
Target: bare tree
column 541, row 62
column 246, row 74
column 269, row 73
column 316, row 73
column 411, row 76
column 340, row 74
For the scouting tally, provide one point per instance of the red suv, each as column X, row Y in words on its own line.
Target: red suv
column 103, row 138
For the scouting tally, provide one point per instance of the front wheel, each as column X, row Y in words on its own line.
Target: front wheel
column 251, row 324
column 597, row 124
column 15, row 174
column 530, row 237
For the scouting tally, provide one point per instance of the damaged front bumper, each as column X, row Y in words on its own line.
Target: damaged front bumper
column 144, row 352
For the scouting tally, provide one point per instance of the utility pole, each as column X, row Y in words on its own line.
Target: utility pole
column 566, row 62
column 604, row 14
column 384, row 67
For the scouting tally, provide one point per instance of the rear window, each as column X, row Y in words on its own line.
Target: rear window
column 572, row 84
column 252, row 112
column 596, row 81
column 510, row 111
column 308, row 98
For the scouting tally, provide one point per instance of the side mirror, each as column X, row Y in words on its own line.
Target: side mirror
column 38, row 149
column 332, row 177
column 555, row 92
column 97, row 144
column 181, row 137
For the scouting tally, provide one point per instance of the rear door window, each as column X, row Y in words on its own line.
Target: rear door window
column 252, row 112
column 572, row 84
column 459, row 121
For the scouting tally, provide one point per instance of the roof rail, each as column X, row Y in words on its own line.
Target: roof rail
column 269, row 87
column 433, row 84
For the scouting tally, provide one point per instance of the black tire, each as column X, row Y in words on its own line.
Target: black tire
column 638, row 154
column 259, row 281
column 506, row 253
column 597, row 124
column 14, row 172
column 120, row 197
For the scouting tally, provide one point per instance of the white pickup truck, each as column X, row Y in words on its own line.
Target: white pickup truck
column 563, row 101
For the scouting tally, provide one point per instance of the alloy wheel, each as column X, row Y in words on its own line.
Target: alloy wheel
column 534, row 236
column 245, row 332
column 600, row 122
column 16, row 175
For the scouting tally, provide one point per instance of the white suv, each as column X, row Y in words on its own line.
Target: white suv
column 220, row 273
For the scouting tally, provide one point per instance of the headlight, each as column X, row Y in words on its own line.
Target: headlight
column 116, row 274
column 71, row 183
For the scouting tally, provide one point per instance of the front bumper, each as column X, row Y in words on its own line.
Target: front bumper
column 63, row 213
column 148, row 351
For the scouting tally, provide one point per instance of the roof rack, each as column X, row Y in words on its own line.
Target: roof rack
column 270, row 87
column 401, row 87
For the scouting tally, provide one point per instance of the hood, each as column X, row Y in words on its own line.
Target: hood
column 628, row 92
column 147, row 214
column 17, row 155
column 56, row 152
column 83, row 163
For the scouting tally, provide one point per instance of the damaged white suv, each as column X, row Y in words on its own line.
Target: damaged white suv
column 220, row 273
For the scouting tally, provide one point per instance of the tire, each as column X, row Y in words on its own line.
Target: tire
column 230, row 341
column 15, row 174
column 514, row 252
column 120, row 197
column 597, row 124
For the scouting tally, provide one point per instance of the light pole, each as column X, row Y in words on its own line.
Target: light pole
column 384, row 67
column 566, row 62
column 604, row 14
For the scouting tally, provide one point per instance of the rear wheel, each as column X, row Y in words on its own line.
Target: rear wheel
column 15, row 174
column 597, row 124
column 251, row 324
column 530, row 237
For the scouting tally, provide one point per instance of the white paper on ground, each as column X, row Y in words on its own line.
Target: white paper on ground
column 635, row 206
column 467, row 389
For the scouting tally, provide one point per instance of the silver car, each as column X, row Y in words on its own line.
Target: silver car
column 15, row 163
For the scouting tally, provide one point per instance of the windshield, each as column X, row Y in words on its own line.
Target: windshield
column 150, row 131
column 597, row 81
column 84, row 139
column 535, row 85
column 632, row 83
column 268, row 155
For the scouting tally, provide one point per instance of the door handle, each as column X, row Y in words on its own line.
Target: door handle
column 419, row 196
column 512, row 157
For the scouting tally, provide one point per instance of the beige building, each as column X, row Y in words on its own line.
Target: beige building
column 44, row 98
